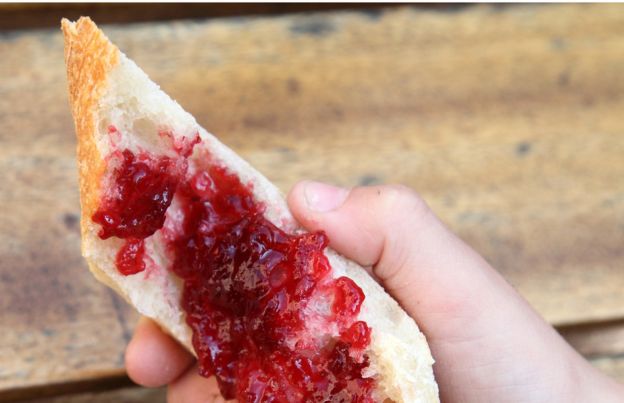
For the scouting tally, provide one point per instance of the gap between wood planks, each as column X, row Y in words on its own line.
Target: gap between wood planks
column 96, row 384
column 28, row 16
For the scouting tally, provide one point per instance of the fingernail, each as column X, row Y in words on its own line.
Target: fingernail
column 323, row 198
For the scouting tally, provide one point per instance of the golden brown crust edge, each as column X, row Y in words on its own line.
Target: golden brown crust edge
column 89, row 57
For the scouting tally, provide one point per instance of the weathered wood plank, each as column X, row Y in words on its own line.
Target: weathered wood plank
column 507, row 121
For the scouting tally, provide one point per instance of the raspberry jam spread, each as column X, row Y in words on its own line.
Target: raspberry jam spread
column 129, row 259
column 142, row 192
column 267, row 318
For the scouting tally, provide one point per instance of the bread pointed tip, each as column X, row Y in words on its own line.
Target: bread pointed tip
column 65, row 24
column 89, row 56
column 69, row 26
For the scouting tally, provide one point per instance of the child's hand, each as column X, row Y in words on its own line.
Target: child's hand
column 488, row 343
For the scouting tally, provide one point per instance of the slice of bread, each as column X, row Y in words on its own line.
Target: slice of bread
column 106, row 89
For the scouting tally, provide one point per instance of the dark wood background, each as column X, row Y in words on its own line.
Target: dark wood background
column 508, row 120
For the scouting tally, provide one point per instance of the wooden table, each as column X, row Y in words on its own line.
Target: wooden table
column 508, row 120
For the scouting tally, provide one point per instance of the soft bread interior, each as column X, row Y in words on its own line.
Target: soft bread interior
column 133, row 105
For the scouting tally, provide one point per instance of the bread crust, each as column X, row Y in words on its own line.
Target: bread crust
column 89, row 57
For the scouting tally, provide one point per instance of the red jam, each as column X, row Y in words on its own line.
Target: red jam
column 140, row 196
column 251, row 291
column 129, row 259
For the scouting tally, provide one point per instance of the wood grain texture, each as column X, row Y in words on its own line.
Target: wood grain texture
column 508, row 121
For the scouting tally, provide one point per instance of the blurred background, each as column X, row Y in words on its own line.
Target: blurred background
column 509, row 120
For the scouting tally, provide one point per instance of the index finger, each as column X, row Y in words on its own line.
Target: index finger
column 153, row 358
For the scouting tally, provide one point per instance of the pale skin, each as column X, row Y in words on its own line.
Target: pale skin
column 488, row 343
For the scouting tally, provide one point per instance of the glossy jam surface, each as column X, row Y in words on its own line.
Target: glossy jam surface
column 257, row 299
column 140, row 194
column 130, row 257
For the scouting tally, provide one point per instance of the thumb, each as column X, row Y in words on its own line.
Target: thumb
column 484, row 336
column 417, row 259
